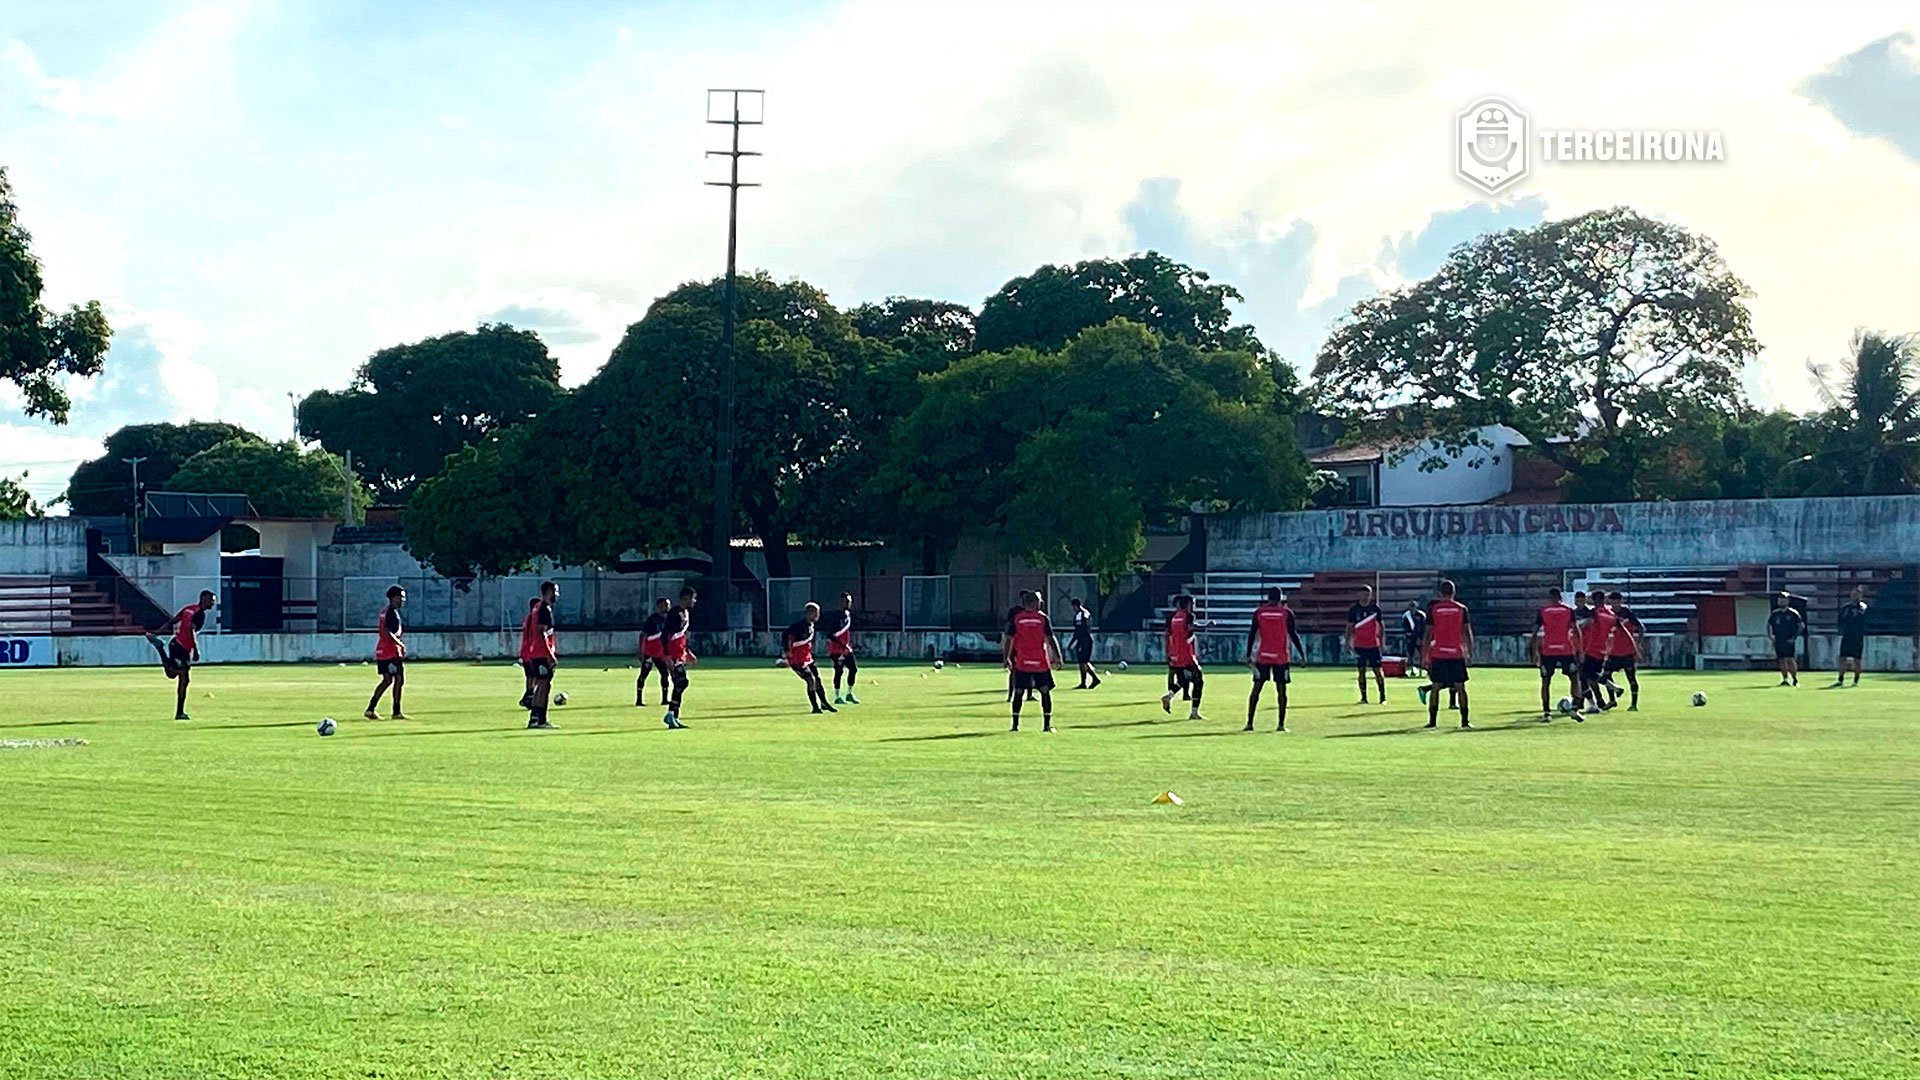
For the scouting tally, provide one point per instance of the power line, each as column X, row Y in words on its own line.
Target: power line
column 723, row 426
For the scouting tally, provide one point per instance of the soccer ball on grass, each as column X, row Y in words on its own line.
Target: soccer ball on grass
column 1699, row 700
column 560, row 698
column 327, row 726
column 1566, row 706
column 1122, row 665
column 938, row 664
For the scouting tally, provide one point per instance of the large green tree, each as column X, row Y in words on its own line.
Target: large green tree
column 280, row 479
column 104, row 485
column 1049, row 307
column 1871, row 443
column 410, row 406
column 40, row 348
column 1073, row 452
column 1588, row 336
column 1743, row 454
column 629, row 455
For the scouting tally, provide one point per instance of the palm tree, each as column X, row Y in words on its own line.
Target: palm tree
column 1873, row 417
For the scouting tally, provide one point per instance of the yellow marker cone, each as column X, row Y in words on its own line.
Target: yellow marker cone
column 1167, row 798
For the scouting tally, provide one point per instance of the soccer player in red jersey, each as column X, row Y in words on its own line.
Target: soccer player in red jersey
column 182, row 651
column 1556, row 648
column 840, row 648
column 539, row 654
column 1272, row 642
column 1183, row 657
column 1596, row 642
column 679, row 631
column 796, row 646
column 1449, row 648
column 389, row 655
column 653, row 651
column 1366, row 636
column 1624, row 655
column 1031, row 654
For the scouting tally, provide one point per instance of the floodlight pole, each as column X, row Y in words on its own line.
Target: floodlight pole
column 722, row 540
column 139, row 503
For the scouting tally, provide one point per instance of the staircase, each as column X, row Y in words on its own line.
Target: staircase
column 49, row 605
column 1225, row 601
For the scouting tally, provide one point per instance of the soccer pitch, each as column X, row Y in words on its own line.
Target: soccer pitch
column 906, row 890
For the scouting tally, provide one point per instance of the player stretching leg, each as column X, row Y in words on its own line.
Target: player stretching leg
column 1555, row 648
column 840, row 648
column 1366, row 637
column 1449, row 648
column 653, row 651
column 390, row 655
column 679, row 630
column 1272, row 641
column 539, row 655
column 179, row 654
column 796, row 649
column 1031, row 654
column 1183, row 660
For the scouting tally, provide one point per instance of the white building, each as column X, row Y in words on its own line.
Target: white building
column 1386, row 476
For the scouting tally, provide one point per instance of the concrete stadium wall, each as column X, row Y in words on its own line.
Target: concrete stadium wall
column 1869, row 531
column 43, row 547
column 1218, row 650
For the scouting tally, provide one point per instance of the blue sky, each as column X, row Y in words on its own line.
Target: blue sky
column 265, row 193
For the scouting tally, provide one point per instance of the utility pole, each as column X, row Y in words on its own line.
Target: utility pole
column 722, row 542
column 139, row 501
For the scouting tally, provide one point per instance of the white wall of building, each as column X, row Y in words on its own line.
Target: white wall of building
column 1475, row 476
column 43, row 547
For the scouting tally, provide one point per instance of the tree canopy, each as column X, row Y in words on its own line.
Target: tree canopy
column 630, row 453
column 1052, row 305
column 39, row 348
column 1073, row 452
column 410, row 406
column 1871, row 427
column 104, row 485
column 280, row 479
column 1584, row 335
column 15, row 501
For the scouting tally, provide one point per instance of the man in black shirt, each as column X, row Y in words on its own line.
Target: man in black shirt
column 1413, row 623
column 1853, row 636
column 1083, row 645
column 1786, row 624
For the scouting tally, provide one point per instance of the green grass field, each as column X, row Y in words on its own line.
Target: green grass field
column 906, row 890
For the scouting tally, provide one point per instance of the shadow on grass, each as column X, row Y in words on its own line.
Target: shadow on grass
column 48, row 723
column 1414, row 730
column 942, row 737
column 1134, row 723
column 1193, row 734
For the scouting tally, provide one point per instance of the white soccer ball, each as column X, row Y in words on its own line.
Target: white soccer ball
column 327, row 726
column 1122, row 665
column 938, row 664
column 1566, row 705
column 1699, row 700
column 560, row 698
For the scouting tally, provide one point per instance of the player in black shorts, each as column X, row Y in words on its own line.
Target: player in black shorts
column 1366, row 636
column 796, row 648
column 1853, row 636
column 1083, row 645
column 1785, row 626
